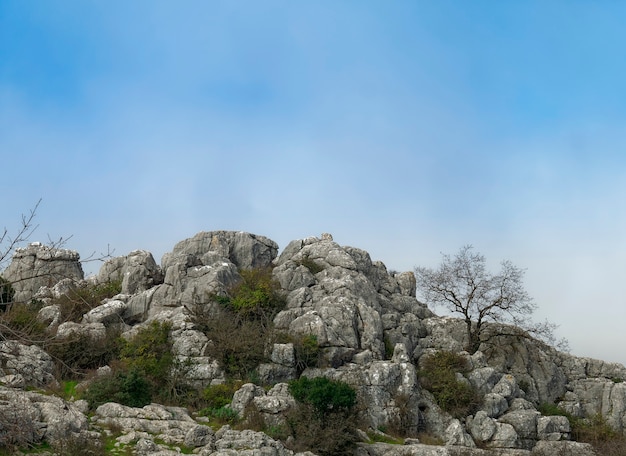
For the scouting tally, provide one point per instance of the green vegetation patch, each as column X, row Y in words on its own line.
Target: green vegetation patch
column 453, row 395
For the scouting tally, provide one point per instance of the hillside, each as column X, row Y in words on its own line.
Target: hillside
column 220, row 350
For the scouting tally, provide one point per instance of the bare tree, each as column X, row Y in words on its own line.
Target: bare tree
column 9, row 242
column 463, row 286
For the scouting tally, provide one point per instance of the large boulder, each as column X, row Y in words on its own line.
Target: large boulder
column 138, row 272
column 39, row 265
column 245, row 250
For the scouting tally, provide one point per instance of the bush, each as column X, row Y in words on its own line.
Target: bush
column 81, row 299
column 325, row 395
column 79, row 353
column 324, row 420
column 257, row 296
column 238, row 344
column 125, row 387
column 438, row 375
column 217, row 396
column 334, row 434
column 6, row 293
column 307, row 352
column 20, row 322
column 221, row 415
column 149, row 352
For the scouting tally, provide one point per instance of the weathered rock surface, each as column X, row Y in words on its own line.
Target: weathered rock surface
column 32, row 418
column 38, row 265
column 371, row 330
column 28, row 365
column 138, row 272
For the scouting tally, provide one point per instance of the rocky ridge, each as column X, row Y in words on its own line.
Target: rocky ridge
column 372, row 333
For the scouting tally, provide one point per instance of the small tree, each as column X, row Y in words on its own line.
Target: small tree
column 463, row 285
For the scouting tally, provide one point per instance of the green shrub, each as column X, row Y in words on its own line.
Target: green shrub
column 324, row 420
column 592, row 430
column 324, row 394
column 217, row 396
column 307, row 352
column 438, row 375
column 221, row 415
column 125, row 387
column 551, row 409
column 258, row 295
column 149, row 352
column 6, row 293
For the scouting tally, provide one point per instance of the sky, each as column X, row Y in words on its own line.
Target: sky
column 405, row 128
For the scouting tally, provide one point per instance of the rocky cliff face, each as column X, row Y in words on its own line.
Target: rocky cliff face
column 371, row 331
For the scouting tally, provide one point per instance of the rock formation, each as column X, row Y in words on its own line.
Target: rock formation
column 371, row 332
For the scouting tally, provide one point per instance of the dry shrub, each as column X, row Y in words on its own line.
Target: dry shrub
column 438, row 375
column 17, row 430
column 81, row 299
column 332, row 435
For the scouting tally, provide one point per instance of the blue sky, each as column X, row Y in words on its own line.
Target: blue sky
column 406, row 128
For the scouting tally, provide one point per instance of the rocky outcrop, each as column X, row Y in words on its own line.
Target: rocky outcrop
column 31, row 418
column 138, row 272
column 371, row 330
column 39, row 265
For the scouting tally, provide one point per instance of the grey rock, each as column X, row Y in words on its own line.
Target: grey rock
column 504, row 437
column 189, row 343
column 198, row 436
column 50, row 315
column 38, row 417
column 484, row 379
column 553, row 428
column 456, row 435
column 171, row 424
column 482, row 427
column 245, row 250
column 109, row 313
column 244, row 396
column 248, row 443
column 137, row 270
column 550, row 448
column 32, row 363
column 525, row 424
column 494, row 405
column 39, row 265
column 283, row 354
column 407, row 283
column 507, row 387
column 95, row 331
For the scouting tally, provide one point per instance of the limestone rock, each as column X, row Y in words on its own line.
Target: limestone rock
column 245, row 250
column 244, row 396
column 31, row 363
column 456, row 435
column 482, row 427
column 525, row 424
column 137, row 270
column 109, row 313
column 553, row 428
column 550, row 448
column 35, row 417
column 39, row 265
